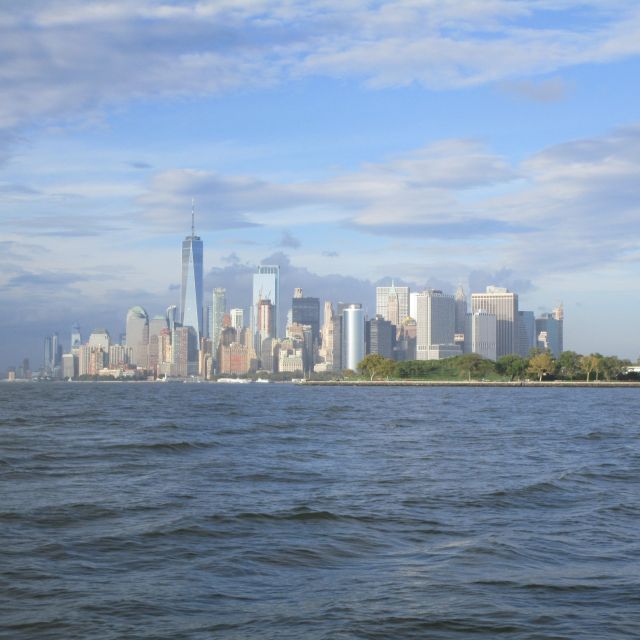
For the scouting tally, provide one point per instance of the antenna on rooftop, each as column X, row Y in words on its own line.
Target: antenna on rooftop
column 193, row 218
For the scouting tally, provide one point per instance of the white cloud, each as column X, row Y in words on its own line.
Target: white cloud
column 62, row 59
column 569, row 206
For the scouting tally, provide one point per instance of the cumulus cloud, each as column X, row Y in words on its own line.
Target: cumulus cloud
column 416, row 189
column 565, row 207
column 68, row 57
column 583, row 198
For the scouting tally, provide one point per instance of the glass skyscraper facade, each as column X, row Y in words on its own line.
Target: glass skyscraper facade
column 191, row 310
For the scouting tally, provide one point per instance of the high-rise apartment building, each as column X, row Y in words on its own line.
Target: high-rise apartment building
column 392, row 303
column 237, row 319
column 158, row 326
column 218, row 309
column 185, row 351
column 191, row 300
column 503, row 304
column 435, row 326
column 326, row 351
column 266, row 286
column 266, row 324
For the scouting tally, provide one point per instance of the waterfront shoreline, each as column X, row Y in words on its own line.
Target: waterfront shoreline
column 467, row 383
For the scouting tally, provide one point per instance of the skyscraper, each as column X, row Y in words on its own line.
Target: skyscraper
column 218, row 309
column 461, row 310
column 503, row 304
column 380, row 336
column 191, row 310
column 526, row 332
column 392, row 303
column 435, row 326
column 480, row 334
column 138, row 336
column 76, row 338
column 305, row 310
column 237, row 318
column 353, row 348
column 266, row 286
column 266, row 321
column 549, row 331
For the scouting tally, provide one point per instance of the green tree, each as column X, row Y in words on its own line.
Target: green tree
column 598, row 364
column 472, row 364
column 513, row 366
column 588, row 364
column 613, row 367
column 375, row 365
column 569, row 364
column 541, row 364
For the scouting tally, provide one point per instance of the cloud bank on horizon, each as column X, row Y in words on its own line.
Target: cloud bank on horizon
column 434, row 142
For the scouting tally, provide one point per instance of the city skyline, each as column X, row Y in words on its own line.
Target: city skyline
column 429, row 144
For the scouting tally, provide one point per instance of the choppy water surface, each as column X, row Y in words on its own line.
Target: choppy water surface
column 211, row 511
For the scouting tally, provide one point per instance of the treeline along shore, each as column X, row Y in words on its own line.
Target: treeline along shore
column 540, row 368
column 470, row 383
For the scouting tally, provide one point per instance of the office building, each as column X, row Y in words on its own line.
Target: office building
column 138, row 336
column 191, row 300
column 461, row 310
column 380, row 337
column 549, row 331
column 100, row 338
column 76, row 338
column 70, row 365
column 435, row 326
column 352, row 330
column 266, row 286
column 405, row 347
column 503, row 304
column 306, row 311
column 392, row 303
column 526, row 333
column 480, row 334
column 413, row 305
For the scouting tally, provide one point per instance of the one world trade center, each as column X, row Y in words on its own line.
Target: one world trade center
column 191, row 298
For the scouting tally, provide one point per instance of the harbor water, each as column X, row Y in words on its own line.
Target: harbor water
column 141, row 510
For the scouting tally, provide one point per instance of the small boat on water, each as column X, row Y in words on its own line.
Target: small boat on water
column 234, row 380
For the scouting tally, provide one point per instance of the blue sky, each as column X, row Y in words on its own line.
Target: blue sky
column 493, row 142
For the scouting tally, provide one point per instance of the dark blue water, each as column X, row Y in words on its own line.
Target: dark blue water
column 212, row 511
